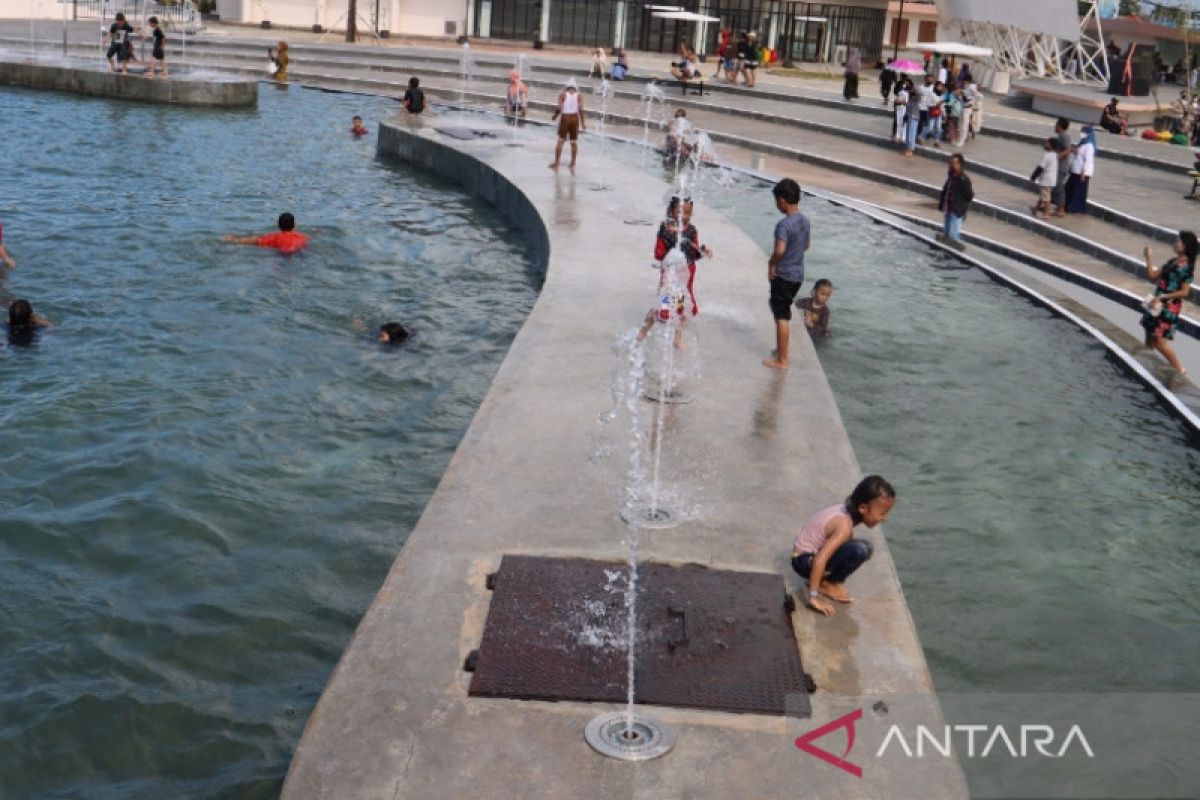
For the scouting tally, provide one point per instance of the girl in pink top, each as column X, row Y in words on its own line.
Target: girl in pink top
column 825, row 551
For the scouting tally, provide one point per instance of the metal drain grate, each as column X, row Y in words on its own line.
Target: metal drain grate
column 711, row 639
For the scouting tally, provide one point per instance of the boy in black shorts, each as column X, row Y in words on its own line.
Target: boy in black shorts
column 119, row 43
column 158, row 58
column 785, row 268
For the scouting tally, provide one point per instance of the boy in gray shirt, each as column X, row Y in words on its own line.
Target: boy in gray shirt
column 785, row 268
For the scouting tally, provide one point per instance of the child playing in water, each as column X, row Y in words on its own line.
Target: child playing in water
column 287, row 241
column 120, row 45
column 279, row 61
column 677, row 230
column 825, row 551
column 679, row 218
column 357, row 128
column 517, row 97
column 158, row 56
column 22, row 322
column 392, row 333
column 816, row 308
column 8, row 260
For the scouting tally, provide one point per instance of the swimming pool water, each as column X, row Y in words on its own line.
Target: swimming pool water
column 208, row 466
column 1045, row 529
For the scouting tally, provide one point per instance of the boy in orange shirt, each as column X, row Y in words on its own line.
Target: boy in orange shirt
column 287, row 241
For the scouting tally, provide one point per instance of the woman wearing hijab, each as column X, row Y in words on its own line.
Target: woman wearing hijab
column 853, row 67
column 1083, row 166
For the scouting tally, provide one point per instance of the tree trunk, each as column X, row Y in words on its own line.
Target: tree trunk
column 351, row 20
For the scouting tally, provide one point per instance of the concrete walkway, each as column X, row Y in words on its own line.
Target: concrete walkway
column 395, row 719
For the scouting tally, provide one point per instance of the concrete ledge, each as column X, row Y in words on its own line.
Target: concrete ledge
column 177, row 90
column 395, row 719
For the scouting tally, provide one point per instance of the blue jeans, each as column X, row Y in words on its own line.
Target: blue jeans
column 910, row 132
column 933, row 129
column 953, row 226
column 841, row 565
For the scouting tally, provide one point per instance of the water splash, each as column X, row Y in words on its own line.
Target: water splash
column 466, row 70
column 651, row 95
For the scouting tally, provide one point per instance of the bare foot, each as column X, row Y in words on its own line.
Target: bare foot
column 554, row 166
column 835, row 591
column 774, row 363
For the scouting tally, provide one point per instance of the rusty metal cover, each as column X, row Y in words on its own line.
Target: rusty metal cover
column 711, row 639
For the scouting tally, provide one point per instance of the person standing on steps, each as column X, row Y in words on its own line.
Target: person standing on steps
column 853, row 68
column 887, row 79
column 1083, row 167
column 955, row 200
column 571, row 121
column 785, row 268
column 1063, row 153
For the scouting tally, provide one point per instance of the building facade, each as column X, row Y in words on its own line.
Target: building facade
column 810, row 31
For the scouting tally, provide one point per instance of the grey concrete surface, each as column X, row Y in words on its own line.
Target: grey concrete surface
column 763, row 449
column 66, row 75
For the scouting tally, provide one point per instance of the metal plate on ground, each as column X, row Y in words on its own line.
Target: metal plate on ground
column 709, row 639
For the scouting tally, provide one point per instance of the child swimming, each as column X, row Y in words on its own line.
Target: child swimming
column 816, row 308
column 287, row 241
column 392, row 333
column 825, row 552
column 357, row 128
column 22, row 322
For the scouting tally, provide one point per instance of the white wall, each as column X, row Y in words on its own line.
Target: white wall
column 24, row 9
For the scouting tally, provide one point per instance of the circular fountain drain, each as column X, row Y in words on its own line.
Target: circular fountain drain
column 647, row 517
column 673, row 397
column 610, row 735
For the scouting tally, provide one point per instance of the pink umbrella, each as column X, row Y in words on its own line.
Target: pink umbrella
column 909, row 67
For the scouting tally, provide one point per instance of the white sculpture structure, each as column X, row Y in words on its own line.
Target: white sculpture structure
column 1032, row 37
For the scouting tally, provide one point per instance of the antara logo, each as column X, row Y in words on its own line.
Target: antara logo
column 1034, row 741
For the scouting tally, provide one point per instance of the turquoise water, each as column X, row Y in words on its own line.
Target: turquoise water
column 1045, row 529
column 207, row 465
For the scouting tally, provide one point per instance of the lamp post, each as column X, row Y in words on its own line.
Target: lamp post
column 896, row 43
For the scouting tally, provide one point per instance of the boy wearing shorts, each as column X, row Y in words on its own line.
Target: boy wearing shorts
column 158, row 58
column 785, row 268
column 569, row 114
column 119, row 44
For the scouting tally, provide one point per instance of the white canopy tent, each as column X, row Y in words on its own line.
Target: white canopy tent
column 958, row 49
column 684, row 16
column 690, row 16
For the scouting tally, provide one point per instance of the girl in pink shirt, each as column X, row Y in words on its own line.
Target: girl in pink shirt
column 825, row 551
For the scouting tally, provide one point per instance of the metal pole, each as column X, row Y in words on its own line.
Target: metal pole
column 896, row 43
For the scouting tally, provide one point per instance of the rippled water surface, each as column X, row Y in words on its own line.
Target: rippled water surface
column 207, row 466
column 1045, row 534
